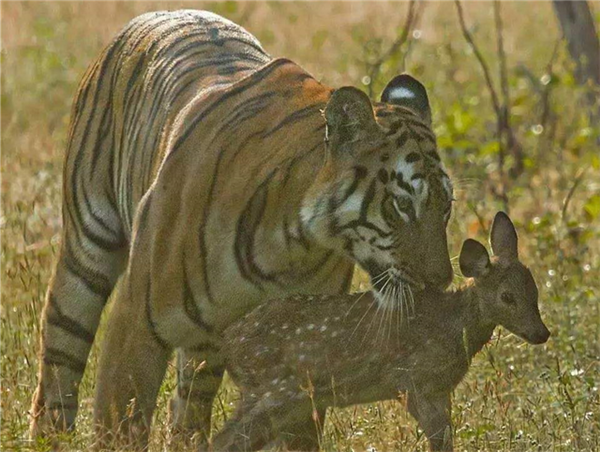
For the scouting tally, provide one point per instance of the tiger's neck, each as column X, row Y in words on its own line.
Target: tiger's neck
column 289, row 247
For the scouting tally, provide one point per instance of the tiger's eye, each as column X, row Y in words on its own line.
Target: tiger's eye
column 383, row 176
column 507, row 298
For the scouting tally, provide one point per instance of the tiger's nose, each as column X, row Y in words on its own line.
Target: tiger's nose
column 441, row 278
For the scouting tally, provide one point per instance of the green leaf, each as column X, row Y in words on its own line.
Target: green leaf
column 490, row 148
column 592, row 207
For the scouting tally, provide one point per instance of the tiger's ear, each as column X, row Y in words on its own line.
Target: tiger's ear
column 408, row 92
column 350, row 117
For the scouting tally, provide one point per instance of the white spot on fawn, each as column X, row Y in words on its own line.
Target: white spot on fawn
column 323, row 328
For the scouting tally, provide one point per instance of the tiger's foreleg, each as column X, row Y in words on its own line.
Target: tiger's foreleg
column 199, row 376
column 132, row 366
column 85, row 275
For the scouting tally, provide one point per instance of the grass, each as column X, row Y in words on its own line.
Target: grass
column 516, row 397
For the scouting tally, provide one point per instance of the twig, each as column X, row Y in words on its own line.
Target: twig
column 502, row 58
column 548, row 117
column 512, row 144
column 479, row 56
column 546, row 111
column 567, row 200
column 416, row 19
column 375, row 68
column 473, row 208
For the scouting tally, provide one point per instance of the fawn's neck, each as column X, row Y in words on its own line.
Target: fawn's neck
column 477, row 329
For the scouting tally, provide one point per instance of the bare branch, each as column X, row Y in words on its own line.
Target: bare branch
column 507, row 140
column 567, row 199
column 479, row 56
column 512, row 144
column 375, row 68
column 502, row 58
column 546, row 109
column 417, row 18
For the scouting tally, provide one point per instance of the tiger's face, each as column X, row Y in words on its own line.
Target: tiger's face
column 383, row 197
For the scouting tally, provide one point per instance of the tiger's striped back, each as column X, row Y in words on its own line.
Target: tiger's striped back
column 130, row 97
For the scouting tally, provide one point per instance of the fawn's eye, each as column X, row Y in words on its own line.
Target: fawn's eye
column 507, row 298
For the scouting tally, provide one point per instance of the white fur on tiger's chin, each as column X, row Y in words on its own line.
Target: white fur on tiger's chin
column 391, row 300
column 398, row 297
column 384, row 300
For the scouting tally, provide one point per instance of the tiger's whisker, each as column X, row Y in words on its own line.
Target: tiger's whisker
column 365, row 314
column 374, row 319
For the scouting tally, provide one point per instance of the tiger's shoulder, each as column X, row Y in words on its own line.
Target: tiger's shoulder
column 271, row 99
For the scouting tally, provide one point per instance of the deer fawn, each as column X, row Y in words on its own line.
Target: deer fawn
column 296, row 356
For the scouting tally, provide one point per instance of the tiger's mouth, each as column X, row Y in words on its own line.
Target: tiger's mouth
column 393, row 289
column 381, row 277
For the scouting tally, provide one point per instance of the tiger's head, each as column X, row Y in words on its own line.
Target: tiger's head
column 382, row 196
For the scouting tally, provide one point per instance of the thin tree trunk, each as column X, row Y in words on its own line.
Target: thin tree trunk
column 578, row 28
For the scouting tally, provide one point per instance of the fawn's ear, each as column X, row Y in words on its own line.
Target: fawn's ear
column 409, row 92
column 350, row 117
column 474, row 259
column 503, row 237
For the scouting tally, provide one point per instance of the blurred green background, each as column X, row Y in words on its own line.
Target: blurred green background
column 516, row 397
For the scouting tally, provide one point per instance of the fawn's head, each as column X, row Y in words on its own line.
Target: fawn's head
column 507, row 291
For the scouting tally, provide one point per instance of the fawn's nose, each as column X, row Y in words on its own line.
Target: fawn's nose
column 541, row 337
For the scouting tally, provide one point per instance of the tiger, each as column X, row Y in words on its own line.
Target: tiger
column 205, row 176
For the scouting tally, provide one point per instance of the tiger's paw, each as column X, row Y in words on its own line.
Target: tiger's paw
column 190, row 427
column 52, row 419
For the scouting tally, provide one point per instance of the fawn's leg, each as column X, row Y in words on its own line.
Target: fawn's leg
column 432, row 412
column 304, row 435
column 199, row 376
column 132, row 367
column 249, row 429
column 86, row 272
